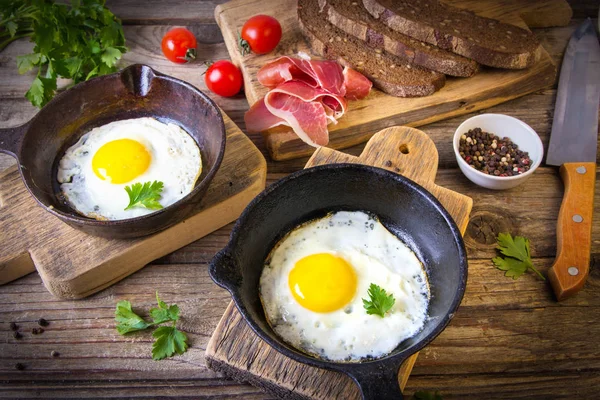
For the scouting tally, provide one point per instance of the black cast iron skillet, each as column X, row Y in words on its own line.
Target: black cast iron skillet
column 404, row 207
column 137, row 91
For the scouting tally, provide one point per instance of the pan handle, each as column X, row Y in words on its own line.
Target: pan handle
column 225, row 272
column 378, row 380
column 10, row 139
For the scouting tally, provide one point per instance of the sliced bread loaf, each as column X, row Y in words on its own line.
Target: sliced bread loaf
column 354, row 19
column 388, row 73
column 485, row 40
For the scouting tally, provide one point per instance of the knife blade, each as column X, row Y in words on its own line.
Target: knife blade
column 573, row 143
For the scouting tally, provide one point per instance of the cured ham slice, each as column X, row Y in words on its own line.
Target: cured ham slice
column 305, row 109
column 357, row 85
column 325, row 74
column 305, row 95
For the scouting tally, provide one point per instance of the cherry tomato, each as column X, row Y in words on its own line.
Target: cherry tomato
column 223, row 78
column 261, row 34
column 179, row 45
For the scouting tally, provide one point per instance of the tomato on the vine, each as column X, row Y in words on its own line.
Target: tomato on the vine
column 223, row 78
column 260, row 34
column 179, row 45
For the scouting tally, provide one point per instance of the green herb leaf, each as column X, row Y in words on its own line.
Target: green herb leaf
column 164, row 313
column 127, row 320
column 146, row 195
column 518, row 256
column 425, row 395
column 169, row 340
column 27, row 62
column 12, row 27
column 379, row 301
column 111, row 56
column 75, row 41
column 41, row 91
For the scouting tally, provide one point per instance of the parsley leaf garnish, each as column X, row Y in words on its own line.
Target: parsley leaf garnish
column 75, row 40
column 518, row 256
column 127, row 320
column 146, row 195
column 169, row 339
column 379, row 301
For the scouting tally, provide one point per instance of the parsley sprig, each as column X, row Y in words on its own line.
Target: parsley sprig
column 146, row 195
column 518, row 256
column 380, row 302
column 76, row 41
column 169, row 339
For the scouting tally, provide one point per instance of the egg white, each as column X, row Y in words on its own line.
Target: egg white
column 377, row 256
column 175, row 161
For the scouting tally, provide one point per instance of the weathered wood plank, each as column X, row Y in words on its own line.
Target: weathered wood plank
column 157, row 12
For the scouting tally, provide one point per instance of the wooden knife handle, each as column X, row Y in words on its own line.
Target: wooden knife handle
column 574, row 229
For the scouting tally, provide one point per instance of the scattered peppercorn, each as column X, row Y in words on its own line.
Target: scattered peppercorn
column 55, row 353
column 43, row 322
column 37, row 331
column 19, row 366
column 13, row 326
column 17, row 335
column 492, row 155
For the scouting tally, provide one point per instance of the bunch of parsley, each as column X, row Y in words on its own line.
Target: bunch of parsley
column 169, row 339
column 76, row 41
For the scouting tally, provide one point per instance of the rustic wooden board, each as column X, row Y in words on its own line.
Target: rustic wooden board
column 378, row 110
column 239, row 353
column 73, row 264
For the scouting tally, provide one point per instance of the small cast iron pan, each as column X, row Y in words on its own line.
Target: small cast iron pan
column 405, row 208
column 137, row 91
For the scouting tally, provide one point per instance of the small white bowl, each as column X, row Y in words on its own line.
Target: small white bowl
column 502, row 126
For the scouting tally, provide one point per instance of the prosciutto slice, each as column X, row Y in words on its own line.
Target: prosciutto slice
column 307, row 110
column 305, row 95
column 357, row 85
column 316, row 73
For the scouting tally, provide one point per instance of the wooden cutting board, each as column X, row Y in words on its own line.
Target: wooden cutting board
column 238, row 352
column 73, row 264
column 378, row 110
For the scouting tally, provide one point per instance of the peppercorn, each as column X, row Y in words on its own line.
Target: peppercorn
column 489, row 154
column 17, row 335
column 55, row 353
column 43, row 322
column 13, row 326
column 19, row 366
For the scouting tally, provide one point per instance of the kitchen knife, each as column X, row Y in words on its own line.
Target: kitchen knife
column 573, row 143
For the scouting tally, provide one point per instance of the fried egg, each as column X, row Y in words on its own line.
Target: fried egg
column 315, row 279
column 94, row 172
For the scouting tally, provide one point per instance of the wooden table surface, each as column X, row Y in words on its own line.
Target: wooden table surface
column 509, row 339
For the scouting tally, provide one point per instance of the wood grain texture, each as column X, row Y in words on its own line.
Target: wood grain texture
column 378, row 110
column 73, row 264
column 239, row 353
column 574, row 229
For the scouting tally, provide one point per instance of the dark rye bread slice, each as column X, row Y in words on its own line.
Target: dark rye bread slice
column 388, row 73
column 485, row 40
column 354, row 19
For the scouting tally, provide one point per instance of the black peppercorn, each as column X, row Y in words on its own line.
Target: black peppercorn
column 19, row 366
column 488, row 153
column 43, row 322
column 17, row 335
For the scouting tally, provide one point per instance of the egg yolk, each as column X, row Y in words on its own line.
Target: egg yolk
column 322, row 282
column 121, row 160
